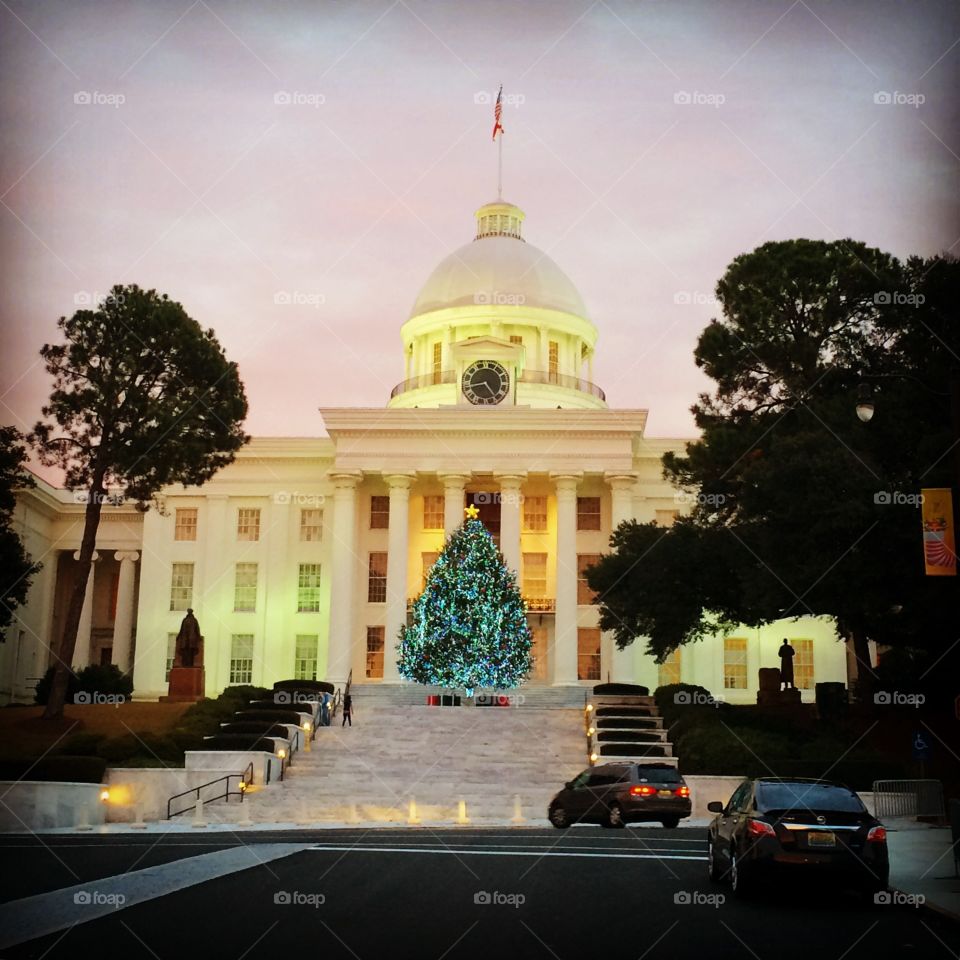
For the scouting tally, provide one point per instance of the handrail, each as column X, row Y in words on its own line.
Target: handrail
column 245, row 778
column 527, row 376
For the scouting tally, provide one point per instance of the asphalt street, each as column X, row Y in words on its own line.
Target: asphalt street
column 424, row 893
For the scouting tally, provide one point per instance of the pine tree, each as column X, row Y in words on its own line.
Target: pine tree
column 469, row 625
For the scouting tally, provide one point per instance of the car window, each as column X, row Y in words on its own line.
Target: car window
column 828, row 797
column 740, row 797
column 603, row 779
column 580, row 780
column 658, row 775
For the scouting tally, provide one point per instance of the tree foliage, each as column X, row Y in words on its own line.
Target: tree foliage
column 16, row 567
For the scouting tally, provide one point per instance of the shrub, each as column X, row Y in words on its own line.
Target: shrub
column 80, row 745
column 306, row 686
column 276, row 716
column 42, row 689
column 56, row 769
column 621, row 689
column 675, row 699
column 97, row 678
column 117, row 749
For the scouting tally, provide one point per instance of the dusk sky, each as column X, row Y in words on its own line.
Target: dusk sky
column 184, row 174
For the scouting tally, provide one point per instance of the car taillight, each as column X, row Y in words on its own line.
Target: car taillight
column 758, row 828
column 877, row 835
column 643, row 790
column 682, row 791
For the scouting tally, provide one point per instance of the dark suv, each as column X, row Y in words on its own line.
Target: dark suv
column 615, row 794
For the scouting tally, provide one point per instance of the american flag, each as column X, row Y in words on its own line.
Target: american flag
column 497, row 112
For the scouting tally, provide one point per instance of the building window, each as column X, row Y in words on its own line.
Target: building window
column 311, row 525
column 308, row 588
column 588, row 513
column 171, row 654
column 248, row 523
column 437, row 362
column 665, row 518
column 553, row 360
column 669, row 670
column 377, row 579
column 427, row 560
column 305, row 657
column 241, row 658
column 803, row 664
column 535, row 575
column 735, row 663
column 245, row 588
column 588, row 653
column 516, row 338
column 433, row 511
column 379, row 513
column 181, row 586
column 375, row 646
column 185, row 525
column 534, row 514
column 584, row 594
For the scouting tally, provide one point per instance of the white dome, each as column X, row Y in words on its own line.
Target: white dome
column 499, row 270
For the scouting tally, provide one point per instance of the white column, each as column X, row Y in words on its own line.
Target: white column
column 453, row 484
column 397, row 556
column 621, row 495
column 123, row 621
column 565, row 628
column 81, row 651
column 510, row 499
column 340, row 638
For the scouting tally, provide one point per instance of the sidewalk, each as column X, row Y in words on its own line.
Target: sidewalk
column 921, row 862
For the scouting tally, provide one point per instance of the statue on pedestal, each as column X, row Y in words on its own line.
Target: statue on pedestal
column 189, row 647
column 786, row 654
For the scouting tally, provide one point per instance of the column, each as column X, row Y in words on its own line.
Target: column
column 344, row 559
column 565, row 627
column 123, row 621
column 397, row 555
column 621, row 496
column 81, row 651
column 453, row 484
column 510, row 499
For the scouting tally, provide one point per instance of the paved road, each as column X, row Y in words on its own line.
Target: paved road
column 428, row 894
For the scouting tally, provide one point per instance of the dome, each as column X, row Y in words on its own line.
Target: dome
column 499, row 267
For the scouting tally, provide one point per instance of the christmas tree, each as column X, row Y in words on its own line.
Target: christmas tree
column 469, row 625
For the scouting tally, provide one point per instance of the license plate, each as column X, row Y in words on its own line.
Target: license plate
column 825, row 838
column 666, row 793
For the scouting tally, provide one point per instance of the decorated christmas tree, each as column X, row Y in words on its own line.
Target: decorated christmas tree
column 469, row 625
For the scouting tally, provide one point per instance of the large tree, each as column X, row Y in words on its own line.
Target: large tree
column 801, row 509
column 142, row 397
column 16, row 567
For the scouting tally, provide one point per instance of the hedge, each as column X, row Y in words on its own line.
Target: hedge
column 97, row 678
column 624, row 712
column 626, row 723
column 307, row 686
column 620, row 690
column 266, row 729
column 240, row 742
column 275, row 716
column 55, row 769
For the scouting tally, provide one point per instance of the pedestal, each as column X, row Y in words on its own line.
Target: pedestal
column 186, row 685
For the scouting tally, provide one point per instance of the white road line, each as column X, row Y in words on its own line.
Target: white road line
column 473, row 851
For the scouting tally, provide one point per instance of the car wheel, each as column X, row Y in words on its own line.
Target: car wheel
column 614, row 819
column 713, row 868
column 738, row 882
column 670, row 822
column 558, row 817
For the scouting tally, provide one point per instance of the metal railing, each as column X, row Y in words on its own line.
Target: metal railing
column 908, row 798
column 540, row 604
column 245, row 778
column 528, row 376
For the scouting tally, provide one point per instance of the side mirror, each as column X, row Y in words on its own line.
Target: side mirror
column 715, row 806
column 568, row 785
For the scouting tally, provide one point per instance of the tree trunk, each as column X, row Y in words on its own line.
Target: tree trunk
column 866, row 678
column 63, row 656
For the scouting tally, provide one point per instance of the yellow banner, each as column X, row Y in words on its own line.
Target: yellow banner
column 939, row 543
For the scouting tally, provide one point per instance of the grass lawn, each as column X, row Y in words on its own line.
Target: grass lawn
column 24, row 736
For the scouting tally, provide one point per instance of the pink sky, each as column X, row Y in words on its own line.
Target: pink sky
column 200, row 185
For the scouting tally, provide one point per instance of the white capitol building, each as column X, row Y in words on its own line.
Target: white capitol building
column 301, row 557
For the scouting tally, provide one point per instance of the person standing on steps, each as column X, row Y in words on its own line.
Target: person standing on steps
column 347, row 710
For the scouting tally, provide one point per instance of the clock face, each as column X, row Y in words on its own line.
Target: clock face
column 485, row 382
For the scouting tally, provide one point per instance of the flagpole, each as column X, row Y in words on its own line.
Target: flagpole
column 500, row 167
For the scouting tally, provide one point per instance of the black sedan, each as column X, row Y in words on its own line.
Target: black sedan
column 818, row 827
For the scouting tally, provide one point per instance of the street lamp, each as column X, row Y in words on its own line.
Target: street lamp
column 865, row 405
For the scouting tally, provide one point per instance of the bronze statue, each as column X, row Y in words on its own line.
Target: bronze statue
column 786, row 653
column 189, row 647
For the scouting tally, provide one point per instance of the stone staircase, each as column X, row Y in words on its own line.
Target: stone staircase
column 439, row 756
column 628, row 728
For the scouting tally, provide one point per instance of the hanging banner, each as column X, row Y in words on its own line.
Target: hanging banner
column 939, row 542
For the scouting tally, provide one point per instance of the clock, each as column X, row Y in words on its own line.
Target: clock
column 485, row 382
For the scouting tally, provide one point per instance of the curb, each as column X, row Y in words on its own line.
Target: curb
column 928, row 907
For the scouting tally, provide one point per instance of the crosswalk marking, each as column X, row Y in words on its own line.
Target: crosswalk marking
column 502, row 852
